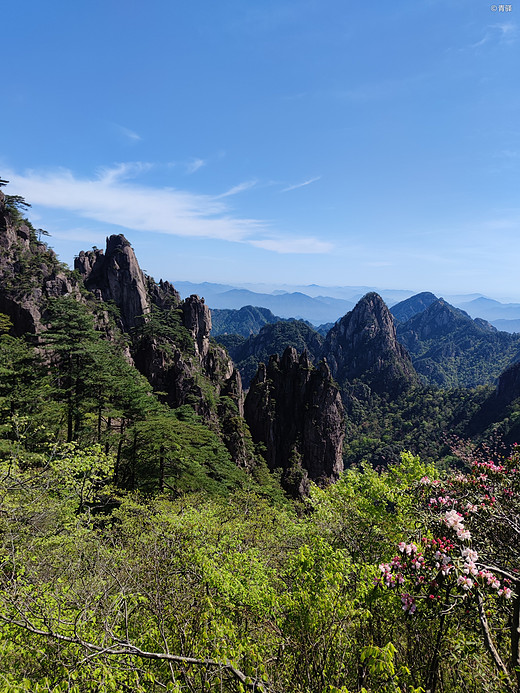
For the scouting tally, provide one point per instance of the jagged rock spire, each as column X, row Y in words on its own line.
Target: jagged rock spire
column 363, row 345
column 116, row 276
column 295, row 410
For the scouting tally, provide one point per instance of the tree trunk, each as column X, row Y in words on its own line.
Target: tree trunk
column 432, row 676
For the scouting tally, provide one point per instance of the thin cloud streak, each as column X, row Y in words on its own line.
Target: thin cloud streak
column 505, row 32
column 307, row 246
column 129, row 134
column 110, row 199
column 122, row 171
column 194, row 166
column 246, row 185
column 301, row 185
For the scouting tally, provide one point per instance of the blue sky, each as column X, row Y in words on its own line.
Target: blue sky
column 297, row 141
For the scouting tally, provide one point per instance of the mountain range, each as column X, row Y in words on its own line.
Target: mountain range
column 321, row 304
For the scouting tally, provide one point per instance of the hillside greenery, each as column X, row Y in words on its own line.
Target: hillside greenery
column 78, row 387
column 244, row 321
column 451, row 350
column 104, row 590
column 272, row 339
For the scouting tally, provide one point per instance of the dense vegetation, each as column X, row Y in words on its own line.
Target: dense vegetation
column 272, row 339
column 449, row 349
column 390, row 581
column 246, row 321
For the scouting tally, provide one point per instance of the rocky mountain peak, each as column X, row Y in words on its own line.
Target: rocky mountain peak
column 115, row 275
column 404, row 310
column 197, row 319
column 363, row 345
column 295, row 410
column 29, row 272
column 441, row 318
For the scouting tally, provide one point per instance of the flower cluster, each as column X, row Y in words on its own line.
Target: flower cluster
column 474, row 510
column 422, row 573
column 455, row 520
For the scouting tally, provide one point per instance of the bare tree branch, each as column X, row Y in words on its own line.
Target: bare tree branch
column 489, row 641
column 125, row 648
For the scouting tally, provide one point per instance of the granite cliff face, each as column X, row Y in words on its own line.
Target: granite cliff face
column 363, row 346
column 165, row 338
column 170, row 337
column 274, row 339
column 29, row 273
column 295, row 411
column 115, row 276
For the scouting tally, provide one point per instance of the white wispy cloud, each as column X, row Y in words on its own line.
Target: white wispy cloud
column 293, row 245
column 194, row 165
column 129, row 134
column 111, row 198
column 301, row 185
column 246, row 185
column 122, row 171
column 502, row 32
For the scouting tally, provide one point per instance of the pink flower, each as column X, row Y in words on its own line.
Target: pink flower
column 452, row 518
column 470, row 568
column 463, row 533
column 465, row 582
column 470, row 554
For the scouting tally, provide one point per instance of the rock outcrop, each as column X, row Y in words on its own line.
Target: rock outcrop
column 171, row 360
column 295, row 411
column 115, row 276
column 29, row 273
column 197, row 320
column 363, row 346
column 275, row 338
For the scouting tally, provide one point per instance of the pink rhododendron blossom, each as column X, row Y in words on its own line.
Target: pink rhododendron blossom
column 408, row 603
column 470, row 568
column 470, row 554
column 463, row 534
column 453, row 518
column 465, row 582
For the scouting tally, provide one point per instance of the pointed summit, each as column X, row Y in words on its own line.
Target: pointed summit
column 116, row 276
column 404, row 310
column 450, row 349
column 441, row 318
column 363, row 345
